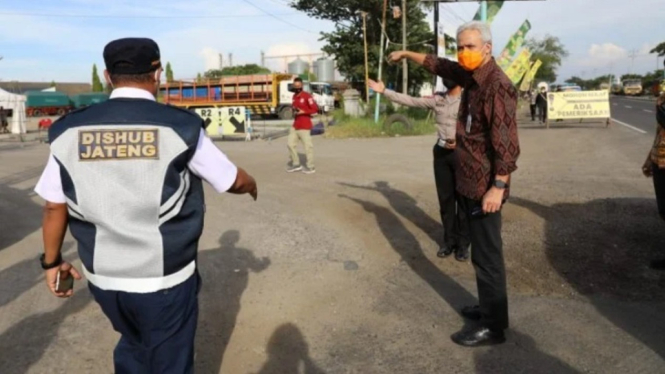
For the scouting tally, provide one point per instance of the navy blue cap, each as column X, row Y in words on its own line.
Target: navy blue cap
column 132, row 56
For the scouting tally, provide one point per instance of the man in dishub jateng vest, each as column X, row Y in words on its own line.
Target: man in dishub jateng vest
column 126, row 177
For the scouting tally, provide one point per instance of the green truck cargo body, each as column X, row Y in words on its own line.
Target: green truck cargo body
column 86, row 99
column 38, row 99
column 46, row 103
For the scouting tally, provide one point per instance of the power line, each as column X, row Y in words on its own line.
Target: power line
column 277, row 18
column 143, row 17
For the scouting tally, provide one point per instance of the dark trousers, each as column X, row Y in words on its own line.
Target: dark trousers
column 487, row 259
column 659, row 187
column 542, row 115
column 455, row 224
column 533, row 111
column 157, row 328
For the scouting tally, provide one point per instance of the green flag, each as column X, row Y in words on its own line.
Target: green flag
column 513, row 45
column 493, row 8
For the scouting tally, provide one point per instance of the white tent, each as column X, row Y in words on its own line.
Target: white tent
column 16, row 103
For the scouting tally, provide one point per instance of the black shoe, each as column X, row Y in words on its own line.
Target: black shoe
column 658, row 264
column 445, row 251
column 478, row 336
column 462, row 253
column 471, row 312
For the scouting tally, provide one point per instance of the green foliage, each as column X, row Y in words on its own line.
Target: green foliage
column 199, row 78
column 365, row 127
column 311, row 76
column 631, row 76
column 53, row 84
column 550, row 52
column 345, row 42
column 169, row 72
column 249, row 69
column 589, row 84
column 659, row 49
column 96, row 83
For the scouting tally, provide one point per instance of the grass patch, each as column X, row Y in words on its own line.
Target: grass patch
column 364, row 127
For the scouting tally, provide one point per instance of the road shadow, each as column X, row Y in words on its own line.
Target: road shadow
column 23, row 344
column 288, row 353
column 518, row 355
column 407, row 207
column 20, row 216
column 602, row 248
column 225, row 273
column 407, row 246
column 22, row 276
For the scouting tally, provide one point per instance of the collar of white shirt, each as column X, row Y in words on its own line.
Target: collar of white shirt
column 131, row 93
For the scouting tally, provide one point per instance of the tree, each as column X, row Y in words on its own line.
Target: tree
column 550, row 52
column 53, row 84
column 659, row 49
column 312, row 76
column 96, row 83
column 631, row 76
column 248, row 69
column 169, row 72
column 199, row 78
column 345, row 42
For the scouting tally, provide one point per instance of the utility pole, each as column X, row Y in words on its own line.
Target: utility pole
column 366, row 62
column 483, row 10
column 383, row 37
column 632, row 56
column 405, row 63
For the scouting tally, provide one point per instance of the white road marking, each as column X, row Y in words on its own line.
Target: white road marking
column 629, row 126
column 628, row 106
column 648, row 111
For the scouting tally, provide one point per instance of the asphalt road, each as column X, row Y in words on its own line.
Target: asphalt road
column 636, row 113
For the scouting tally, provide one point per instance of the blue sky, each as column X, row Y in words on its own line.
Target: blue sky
column 44, row 40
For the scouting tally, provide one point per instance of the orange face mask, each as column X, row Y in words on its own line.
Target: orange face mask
column 470, row 60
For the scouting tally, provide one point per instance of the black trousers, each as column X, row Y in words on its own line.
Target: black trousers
column 533, row 111
column 659, row 187
column 453, row 218
column 542, row 108
column 487, row 259
column 157, row 329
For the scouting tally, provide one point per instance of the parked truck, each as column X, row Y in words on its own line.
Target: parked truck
column 265, row 95
column 86, row 99
column 40, row 103
column 632, row 87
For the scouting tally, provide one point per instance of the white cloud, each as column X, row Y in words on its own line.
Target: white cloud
column 607, row 52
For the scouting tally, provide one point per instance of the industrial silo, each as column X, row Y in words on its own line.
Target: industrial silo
column 298, row 66
column 325, row 70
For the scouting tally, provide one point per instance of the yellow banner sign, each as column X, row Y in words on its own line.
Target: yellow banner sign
column 519, row 67
column 118, row 144
column 578, row 104
column 528, row 78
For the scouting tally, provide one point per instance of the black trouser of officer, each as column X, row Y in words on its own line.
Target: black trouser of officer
column 533, row 111
column 455, row 225
column 659, row 187
column 157, row 328
column 487, row 259
column 542, row 115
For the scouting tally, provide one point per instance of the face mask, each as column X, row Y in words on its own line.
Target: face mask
column 296, row 90
column 470, row 60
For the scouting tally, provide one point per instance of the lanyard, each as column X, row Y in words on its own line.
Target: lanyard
column 469, row 117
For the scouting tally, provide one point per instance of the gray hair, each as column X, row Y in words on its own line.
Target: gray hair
column 481, row 27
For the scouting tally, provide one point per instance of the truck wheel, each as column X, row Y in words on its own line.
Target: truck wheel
column 397, row 118
column 61, row 112
column 286, row 113
column 36, row 113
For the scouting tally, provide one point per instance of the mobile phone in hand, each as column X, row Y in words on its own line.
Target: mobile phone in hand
column 64, row 282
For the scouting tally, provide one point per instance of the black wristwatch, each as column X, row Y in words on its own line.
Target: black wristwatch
column 500, row 184
column 53, row 264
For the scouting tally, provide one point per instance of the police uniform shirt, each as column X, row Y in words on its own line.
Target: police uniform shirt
column 207, row 163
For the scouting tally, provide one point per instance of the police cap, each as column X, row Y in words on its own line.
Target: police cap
column 132, row 56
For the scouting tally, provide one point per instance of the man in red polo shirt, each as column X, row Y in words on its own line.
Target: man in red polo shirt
column 304, row 107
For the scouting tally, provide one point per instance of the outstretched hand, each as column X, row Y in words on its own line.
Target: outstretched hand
column 377, row 86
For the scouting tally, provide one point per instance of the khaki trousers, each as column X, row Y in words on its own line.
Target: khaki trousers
column 306, row 138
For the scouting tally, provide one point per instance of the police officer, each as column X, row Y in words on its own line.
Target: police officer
column 126, row 177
